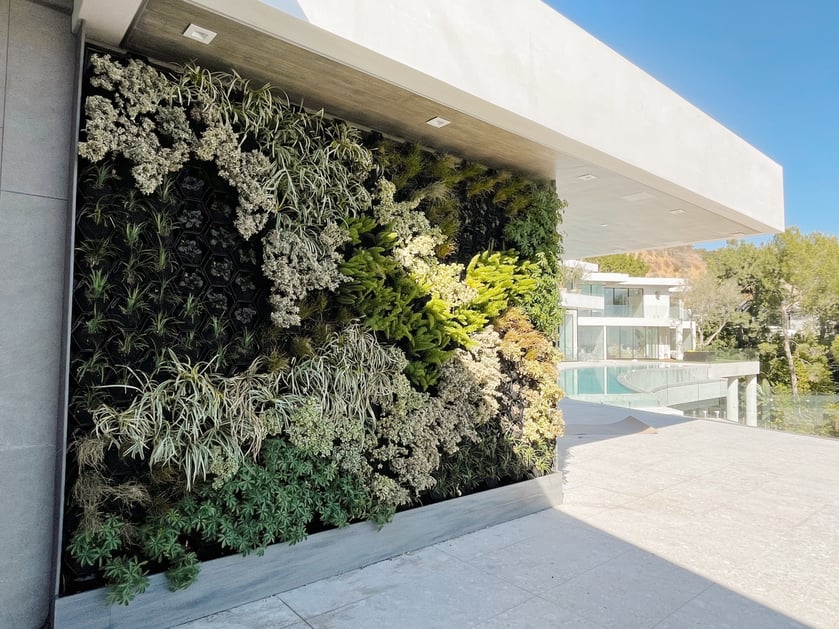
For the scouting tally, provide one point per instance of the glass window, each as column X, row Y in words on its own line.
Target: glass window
column 590, row 343
column 635, row 302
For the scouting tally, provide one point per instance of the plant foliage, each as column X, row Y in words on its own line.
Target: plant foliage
column 281, row 324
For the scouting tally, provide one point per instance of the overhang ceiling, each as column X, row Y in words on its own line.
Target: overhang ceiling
column 607, row 211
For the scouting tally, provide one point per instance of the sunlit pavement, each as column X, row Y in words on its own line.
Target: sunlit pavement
column 699, row 524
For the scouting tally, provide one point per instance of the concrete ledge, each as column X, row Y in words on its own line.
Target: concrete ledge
column 236, row 580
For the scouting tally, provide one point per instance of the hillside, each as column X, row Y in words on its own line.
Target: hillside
column 684, row 261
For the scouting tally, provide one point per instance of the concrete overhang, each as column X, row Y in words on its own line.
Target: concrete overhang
column 523, row 87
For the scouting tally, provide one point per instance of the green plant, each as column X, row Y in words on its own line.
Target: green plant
column 126, row 579
column 394, row 305
column 131, row 268
column 134, row 300
column 97, row 285
column 219, row 327
column 194, row 420
column 161, row 324
column 542, row 302
column 161, row 219
column 96, row 251
column 162, row 258
column 192, row 307
column 97, row 322
column 94, row 366
column 131, row 341
column 273, row 499
column 131, row 233
column 535, row 231
column 99, row 212
column 381, row 381
column 125, row 575
column 499, row 279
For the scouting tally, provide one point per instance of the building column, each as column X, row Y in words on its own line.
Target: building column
column 751, row 400
column 732, row 401
column 680, row 341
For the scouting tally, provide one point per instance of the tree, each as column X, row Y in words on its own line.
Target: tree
column 628, row 263
column 793, row 278
column 714, row 303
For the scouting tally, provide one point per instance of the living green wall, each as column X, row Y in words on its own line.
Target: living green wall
column 283, row 324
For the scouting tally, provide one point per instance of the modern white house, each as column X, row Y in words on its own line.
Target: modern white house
column 511, row 84
column 615, row 316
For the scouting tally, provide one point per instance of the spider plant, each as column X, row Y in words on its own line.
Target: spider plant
column 133, row 204
column 166, row 190
column 95, row 251
column 96, row 364
column 189, row 339
column 131, row 341
column 96, row 322
column 162, row 324
column 162, row 258
column 132, row 232
column 248, row 339
column 96, row 284
column 188, row 417
column 134, row 300
column 192, row 307
column 131, row 268
column 162, row 222
column 99, row 174
column 219, row 327
column 100, row 211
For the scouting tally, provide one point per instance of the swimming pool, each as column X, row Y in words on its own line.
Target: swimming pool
column 595, row 380
column 640, row 384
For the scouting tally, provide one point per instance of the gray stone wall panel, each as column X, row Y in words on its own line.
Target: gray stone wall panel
column 36, row 93
column 39, row 80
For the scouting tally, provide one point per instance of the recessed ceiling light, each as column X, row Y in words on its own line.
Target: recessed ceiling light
column 604, row 224
column 638, row 196
column 587, row 177
column 438, row 122
column 737, row 235
column 199, row 34
column 677, row 211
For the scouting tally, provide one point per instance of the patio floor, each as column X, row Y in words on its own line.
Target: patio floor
column 700, row 524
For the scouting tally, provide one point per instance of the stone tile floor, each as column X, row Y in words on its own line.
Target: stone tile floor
column 702, row 524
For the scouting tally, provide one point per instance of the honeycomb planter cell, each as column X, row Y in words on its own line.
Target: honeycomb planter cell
column 235, row 580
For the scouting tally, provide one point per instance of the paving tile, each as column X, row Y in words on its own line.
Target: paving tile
column 723, row 609
column 546, row 524
column 586, row 500
column 268, row 613
column 537, row 612
column 457, row 596
column 328, row 594
column 635, row 589
column 539, row 564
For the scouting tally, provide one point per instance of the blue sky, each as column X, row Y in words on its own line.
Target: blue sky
column 766, row 69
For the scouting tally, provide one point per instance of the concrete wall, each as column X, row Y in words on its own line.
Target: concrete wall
column 37, row 65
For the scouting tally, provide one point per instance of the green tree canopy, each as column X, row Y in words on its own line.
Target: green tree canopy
column 628, row 263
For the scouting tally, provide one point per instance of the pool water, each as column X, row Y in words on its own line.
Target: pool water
column 595, row 381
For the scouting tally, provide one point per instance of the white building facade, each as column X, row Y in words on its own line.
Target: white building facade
column 615, row 316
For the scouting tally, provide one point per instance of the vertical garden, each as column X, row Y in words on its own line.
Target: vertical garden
column 282, row 324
